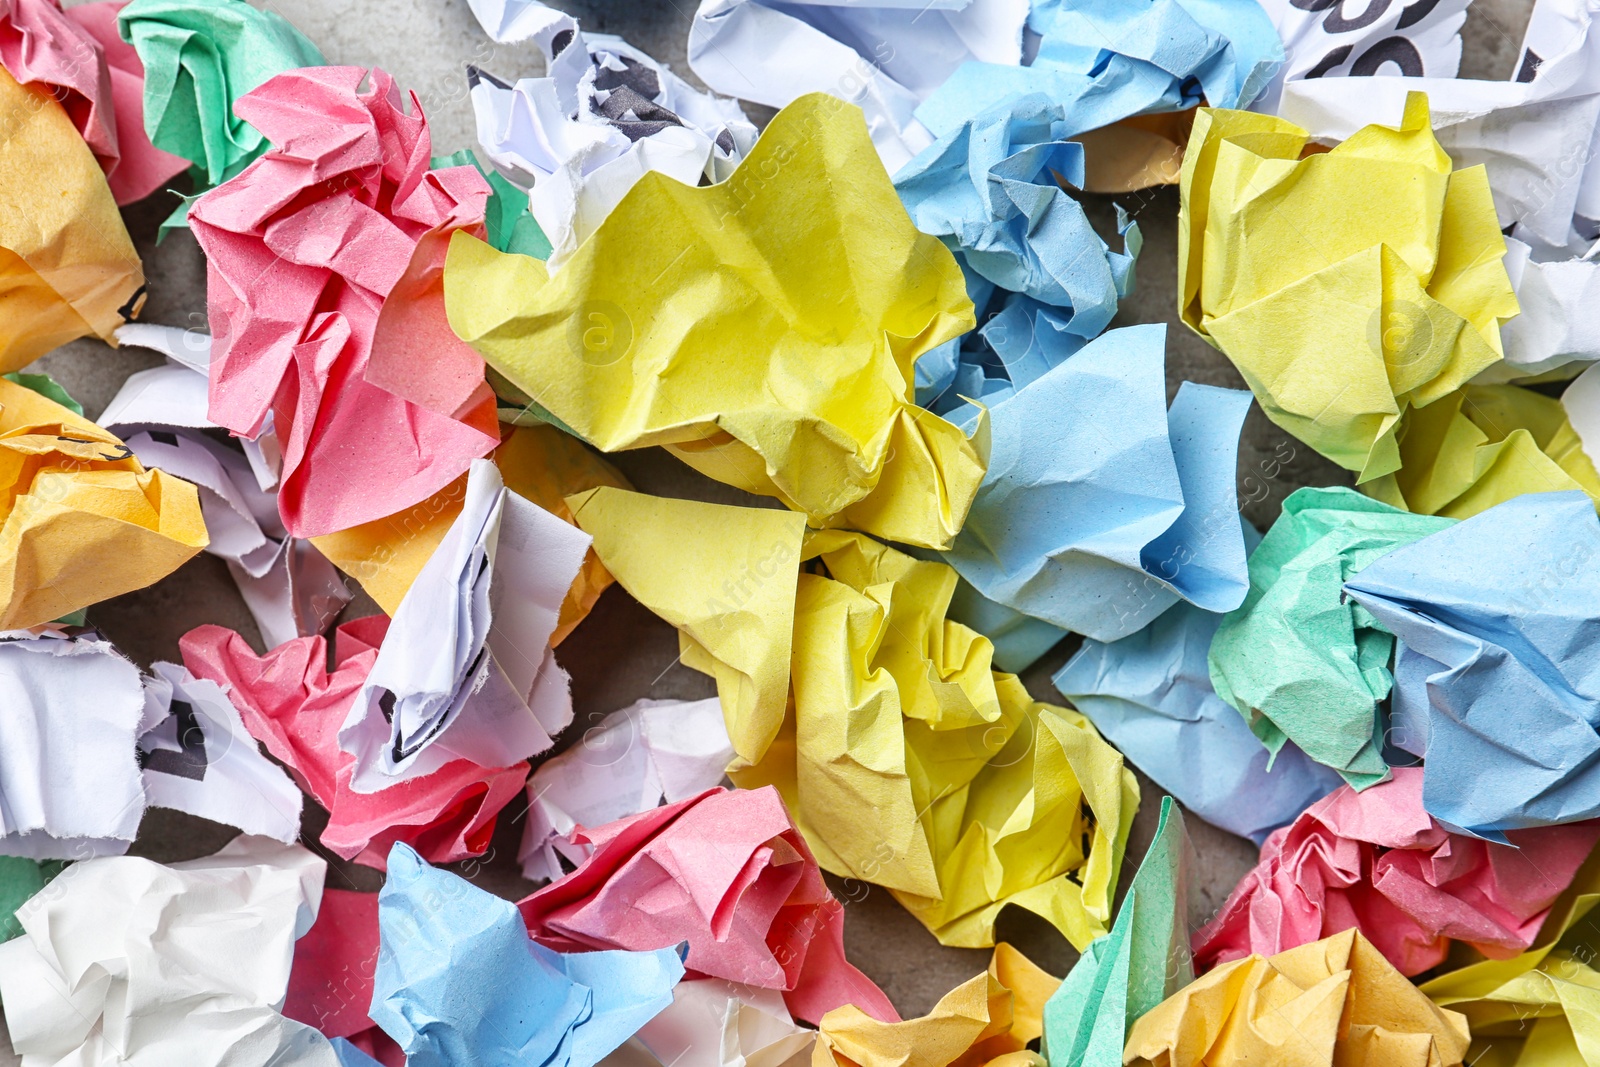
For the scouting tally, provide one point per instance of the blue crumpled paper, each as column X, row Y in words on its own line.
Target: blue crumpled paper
column 459, row 981
column 1106, row 62
column 1497, row 682
column 1150, row 695
column 350, row 1056
column 990, row 191
column 1101, row 508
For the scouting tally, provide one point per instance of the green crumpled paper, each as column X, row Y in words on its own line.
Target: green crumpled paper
column 20, row 879
column 1141, row 962
column 46, row 386
column 1299, row 661
column 511, row 226
column 199, row 57
column 1481, row 446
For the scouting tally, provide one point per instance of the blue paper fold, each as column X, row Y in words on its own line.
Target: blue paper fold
column 1101, row 508
column 1497, row 680
column 989, row 189
column 459, row 981
column 1150, row 695
column 1104, row 62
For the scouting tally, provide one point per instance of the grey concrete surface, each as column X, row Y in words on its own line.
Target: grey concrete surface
column 622, row 652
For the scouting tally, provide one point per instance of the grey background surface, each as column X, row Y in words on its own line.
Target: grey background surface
column 622, row 652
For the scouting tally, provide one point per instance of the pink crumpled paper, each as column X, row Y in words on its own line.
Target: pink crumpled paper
column 330, row 985
column 97, row 77
column 303, row 250
column 728, row 873
column 1378, row 862
column 291, row 703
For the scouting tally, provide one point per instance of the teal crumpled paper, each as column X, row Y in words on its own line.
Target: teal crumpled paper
column 1498, row 620
column 199, row 57
column 1101, row 508
column 1298, row 659
column 1142, row 961
column 459, row 981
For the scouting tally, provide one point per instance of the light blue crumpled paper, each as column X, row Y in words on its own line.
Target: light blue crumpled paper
column 1101, row 508
column 459, row 981
column 1103, row 62
column 350, row 1056
column 1150, row 696
column 1497, row 677
column 989, row 190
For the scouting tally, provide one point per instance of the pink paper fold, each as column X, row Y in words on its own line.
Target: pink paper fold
column 304, row 248
column 1378, row 862
column 330, row 985
column 97, row 77
column 726, row 872
column 294, row 705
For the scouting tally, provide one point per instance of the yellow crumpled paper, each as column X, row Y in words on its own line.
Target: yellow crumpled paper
column 82, row 520
column 67, row 265
column 987, row 1020
column 1334, row 1001
column 538, row 462
column 725, row 577
column 904, row 758
column 1347, row 286
column 763, row 329
column 1482, row 445
column 1541, row 1008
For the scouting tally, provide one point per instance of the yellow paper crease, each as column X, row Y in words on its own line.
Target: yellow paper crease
column 988, row 1020
column 1348, row 286
column 81, row 520
column 1483, row 445
column 67, row 265
column 1331, row 1002
column 764, row 329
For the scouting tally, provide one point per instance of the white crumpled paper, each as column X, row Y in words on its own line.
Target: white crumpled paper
column 885, row 57
column 605, row 115
column 714, row 1023
column 290, row 587
column 466, row 670
column 198, row 757
column 125, row 960
column 70, row 713
column 650, row 752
